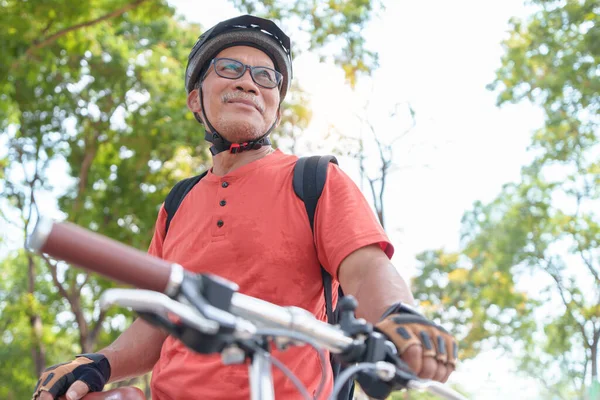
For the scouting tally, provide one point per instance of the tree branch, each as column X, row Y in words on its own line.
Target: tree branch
column 31, row 184
column 378, row 204
column 85, row 281
column 92, row 337
column 550, row 388
column 567, row 366
column 587, row 262
column 385, row 165
column 7, row 323
column 384, row 172
column 407, row 130
column 49, row 39
column 74, row 301
column 61, row 289
column 561, row 290
column 47, row 27
column 90, row 151
column 585, row 367
column 89, row 154
column 5, row 218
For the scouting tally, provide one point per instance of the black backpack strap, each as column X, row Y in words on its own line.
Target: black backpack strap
column 176, row 195
column 310, row 175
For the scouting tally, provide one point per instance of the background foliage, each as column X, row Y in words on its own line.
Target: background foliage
column 528, row 275
column 93, row 117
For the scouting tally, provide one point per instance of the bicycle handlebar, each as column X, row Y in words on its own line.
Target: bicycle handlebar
column 292, row 318
column 78, row 246
column 71, row 243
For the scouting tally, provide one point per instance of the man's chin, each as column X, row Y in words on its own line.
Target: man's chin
column 242, row 131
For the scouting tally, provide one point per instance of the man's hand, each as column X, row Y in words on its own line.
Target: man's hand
column 88, row 372
column 427, row 348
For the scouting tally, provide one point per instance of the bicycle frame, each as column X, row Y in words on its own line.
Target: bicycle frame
column 261, row 378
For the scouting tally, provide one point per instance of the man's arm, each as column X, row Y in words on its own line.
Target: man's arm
column 369, row 276
column 138, row 348
column 134, row 352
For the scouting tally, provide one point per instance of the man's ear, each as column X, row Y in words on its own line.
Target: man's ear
column 193, row 101
column 278, row 118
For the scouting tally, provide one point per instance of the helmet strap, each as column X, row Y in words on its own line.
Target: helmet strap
column 220, row 144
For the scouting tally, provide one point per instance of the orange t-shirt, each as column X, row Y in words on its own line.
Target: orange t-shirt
column 250, row 227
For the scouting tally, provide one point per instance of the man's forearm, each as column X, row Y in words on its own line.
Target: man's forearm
column 370, row 277
column 134, row 352
column 381, row 288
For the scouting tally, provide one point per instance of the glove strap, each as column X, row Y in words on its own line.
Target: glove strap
column 400, row 308
column 101, row 361
column 95, row 357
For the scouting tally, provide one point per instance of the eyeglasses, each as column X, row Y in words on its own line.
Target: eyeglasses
column 233, row 69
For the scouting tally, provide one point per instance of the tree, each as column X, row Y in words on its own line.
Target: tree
column 378, row 176
column 376, row 150
column 295, row 117
column 92, row 123
column 73, row 102
column 528, row 272
column 335, row 28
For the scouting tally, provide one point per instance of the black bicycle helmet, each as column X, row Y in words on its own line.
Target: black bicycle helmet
column 246, row 30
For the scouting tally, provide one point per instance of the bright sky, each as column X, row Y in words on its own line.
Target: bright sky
column 438, row 56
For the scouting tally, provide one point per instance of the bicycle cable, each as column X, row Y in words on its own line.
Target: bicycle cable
column 308, row 340
column 286, row 371
column 348, row 374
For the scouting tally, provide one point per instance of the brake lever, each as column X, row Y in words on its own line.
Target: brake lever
column 150, row 302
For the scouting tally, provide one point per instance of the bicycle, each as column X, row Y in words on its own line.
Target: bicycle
column 209, row 315
column 124, row 393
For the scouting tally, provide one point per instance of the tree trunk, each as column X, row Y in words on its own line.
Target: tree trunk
column 380, row 215
column 88, row 159
column 38, row 351
column 84, row 342
column 595, row 356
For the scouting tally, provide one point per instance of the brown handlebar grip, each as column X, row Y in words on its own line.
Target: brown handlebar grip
column 126, row 393
column 94, row 252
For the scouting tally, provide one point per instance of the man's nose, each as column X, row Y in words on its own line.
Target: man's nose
column 246, row 83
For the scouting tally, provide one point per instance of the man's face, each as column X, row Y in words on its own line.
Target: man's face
column 239, row 109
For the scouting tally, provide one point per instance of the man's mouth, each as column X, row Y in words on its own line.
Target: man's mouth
column 244, row 101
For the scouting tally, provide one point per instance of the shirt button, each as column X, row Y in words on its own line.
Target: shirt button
column 222, row 203
column 219, row 223
column 224, row 184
